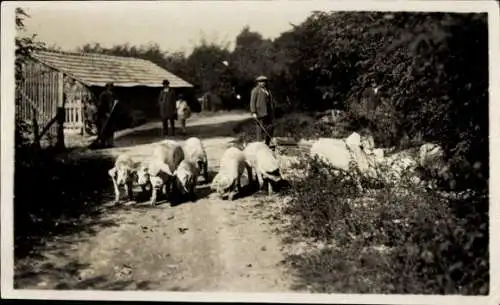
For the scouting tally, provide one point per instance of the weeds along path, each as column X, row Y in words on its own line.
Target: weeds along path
column 208, row 245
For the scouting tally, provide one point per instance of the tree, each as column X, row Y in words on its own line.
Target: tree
column 205, row 63
column 24, row 45
column 252, row 56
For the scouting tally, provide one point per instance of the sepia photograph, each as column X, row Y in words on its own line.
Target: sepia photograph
column 294, row 148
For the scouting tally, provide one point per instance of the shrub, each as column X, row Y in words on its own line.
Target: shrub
column 436, row 245
column 49, row 190
column 297, row 126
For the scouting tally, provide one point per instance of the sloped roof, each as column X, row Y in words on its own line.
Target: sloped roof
column 98, row 69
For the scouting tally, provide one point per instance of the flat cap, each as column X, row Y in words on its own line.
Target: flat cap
column 261, row 78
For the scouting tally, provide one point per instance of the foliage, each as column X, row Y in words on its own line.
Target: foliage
column 24, row 46
column 296, row 126
column 431, row 247
column 419, row 60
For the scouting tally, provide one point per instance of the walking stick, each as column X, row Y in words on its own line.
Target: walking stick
column 267, row 133
column 99, row 137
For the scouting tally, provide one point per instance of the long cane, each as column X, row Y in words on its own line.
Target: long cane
column 267, row 133
column 99, row 137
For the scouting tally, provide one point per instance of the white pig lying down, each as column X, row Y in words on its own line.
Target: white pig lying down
column 227, row 182
column 339, row 153
column 264, row 163
column 186, row 176
column 126, row 173
column 165, row 159
column 194, row 151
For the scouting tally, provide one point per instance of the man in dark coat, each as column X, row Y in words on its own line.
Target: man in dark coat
column 104, row 106
column 262, row 109
column 370, row 100
column 168, row 111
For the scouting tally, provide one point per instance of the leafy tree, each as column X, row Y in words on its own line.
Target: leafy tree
column 430, row 80
column 24, row 46
column 206, row 64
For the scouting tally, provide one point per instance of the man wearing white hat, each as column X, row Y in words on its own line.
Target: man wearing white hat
column 262, row 109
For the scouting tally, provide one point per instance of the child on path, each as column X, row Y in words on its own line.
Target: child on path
column 183, row 112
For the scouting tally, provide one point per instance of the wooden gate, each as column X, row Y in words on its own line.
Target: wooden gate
column 38, row 96
column 74, row 122
column 77, row 95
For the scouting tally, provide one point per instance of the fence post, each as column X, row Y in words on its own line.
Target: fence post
column 60, row 111
column 36, row 130
column 81, row 112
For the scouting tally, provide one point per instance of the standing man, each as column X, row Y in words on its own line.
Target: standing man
column 262, row 109
column 168, row 111
column 370, row 99
column 104, row 106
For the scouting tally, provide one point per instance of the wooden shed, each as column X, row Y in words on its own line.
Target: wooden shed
column 68, row 81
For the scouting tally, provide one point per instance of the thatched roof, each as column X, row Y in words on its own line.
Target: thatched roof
column 97, row 69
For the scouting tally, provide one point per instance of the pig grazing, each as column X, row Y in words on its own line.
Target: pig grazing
column 164, row 161
column 227, row 182
column 263, row 162
column 195, row 153
column 123, row 174
column 186, row 176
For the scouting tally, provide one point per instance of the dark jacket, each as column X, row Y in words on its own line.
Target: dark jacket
column 261, row 103
column 166, row 102
column 369, row 102
column 104, row 103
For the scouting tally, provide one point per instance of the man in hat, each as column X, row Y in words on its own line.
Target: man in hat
column 262, row 109
column 168, row 111
column 104, row 106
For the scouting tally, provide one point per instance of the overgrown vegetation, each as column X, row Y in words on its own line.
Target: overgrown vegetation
column 432, row 69
column 50, row 193
column 391, row 240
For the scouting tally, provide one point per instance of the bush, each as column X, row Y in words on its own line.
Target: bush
column 297, row 126
column 417, row 59
column 436, row 245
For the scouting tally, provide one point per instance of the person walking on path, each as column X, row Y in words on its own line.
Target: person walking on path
column 168, row 111
column 262, row 109
column 104, row 106
column 183, row 112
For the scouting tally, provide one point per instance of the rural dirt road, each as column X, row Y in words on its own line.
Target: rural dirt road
column 207, row 245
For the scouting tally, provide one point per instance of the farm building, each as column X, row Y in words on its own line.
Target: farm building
column 73, row 80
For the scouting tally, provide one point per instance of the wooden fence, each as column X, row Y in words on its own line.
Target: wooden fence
column 74, row 119
column 38, row 96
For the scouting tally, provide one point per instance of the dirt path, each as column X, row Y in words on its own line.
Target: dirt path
column 208, row 245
